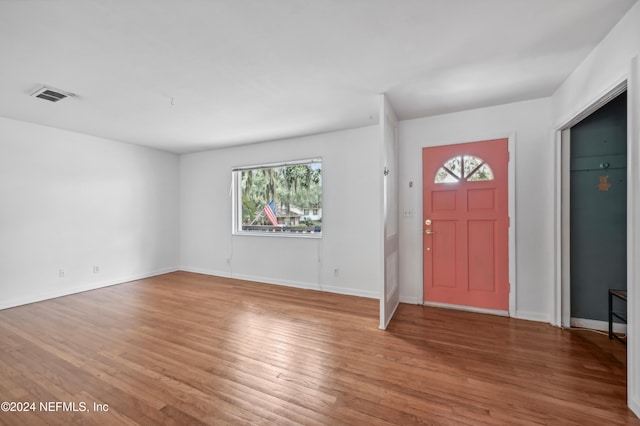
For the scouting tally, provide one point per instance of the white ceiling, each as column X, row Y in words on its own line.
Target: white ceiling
column 189, row 75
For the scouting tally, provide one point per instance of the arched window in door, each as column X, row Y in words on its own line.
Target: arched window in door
column 463, row 168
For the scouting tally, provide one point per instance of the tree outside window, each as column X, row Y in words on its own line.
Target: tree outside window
column 280, row 198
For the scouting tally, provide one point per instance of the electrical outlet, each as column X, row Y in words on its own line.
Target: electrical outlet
column 408, row 213
column 96, row 269
column 61, row 273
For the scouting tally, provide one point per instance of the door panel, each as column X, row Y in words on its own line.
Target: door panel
column 480, row 199
column 390, row 289
column 482, row 260
column 443, row 200
column 465, row 224
column 444, row 254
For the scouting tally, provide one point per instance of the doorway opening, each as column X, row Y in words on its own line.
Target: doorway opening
column 594, row 215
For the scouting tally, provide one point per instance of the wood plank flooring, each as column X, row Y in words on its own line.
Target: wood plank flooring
column 185, row 348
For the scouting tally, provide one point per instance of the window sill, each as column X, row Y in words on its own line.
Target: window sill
column 272, row 234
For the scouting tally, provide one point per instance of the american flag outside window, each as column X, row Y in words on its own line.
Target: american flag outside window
column 270, row 211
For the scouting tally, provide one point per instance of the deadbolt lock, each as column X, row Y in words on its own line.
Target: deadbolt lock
column 427, row 222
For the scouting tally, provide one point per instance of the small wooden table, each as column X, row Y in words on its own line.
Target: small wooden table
column 622, row 295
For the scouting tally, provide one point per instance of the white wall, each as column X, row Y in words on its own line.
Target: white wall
column 614, row 60
column 606, row 66
column 351, row 216
column 70, row 201
column 529, row 123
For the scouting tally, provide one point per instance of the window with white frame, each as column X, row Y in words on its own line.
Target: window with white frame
column 278, row 199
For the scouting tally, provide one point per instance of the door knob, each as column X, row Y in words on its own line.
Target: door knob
column 429, row 232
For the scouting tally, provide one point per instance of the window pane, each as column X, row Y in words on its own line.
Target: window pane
column 454, row 165
column 442, row 176
column 281, row 199
column 466, row 167
column 483, row 173
column 470, row 163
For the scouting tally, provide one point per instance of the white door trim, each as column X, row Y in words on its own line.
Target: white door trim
column 565, row 295
column 562, row 294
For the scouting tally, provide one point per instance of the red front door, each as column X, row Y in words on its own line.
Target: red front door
column 466, row 224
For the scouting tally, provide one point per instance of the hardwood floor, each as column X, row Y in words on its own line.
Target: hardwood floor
column 184, row 348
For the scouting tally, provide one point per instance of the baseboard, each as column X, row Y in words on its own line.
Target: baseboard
column 598, row 325
column 82, row 288
column 410, row 300
column 532, row 316
column 203, row 271
column 287, row 283
column 348, row 291
column 467, row 308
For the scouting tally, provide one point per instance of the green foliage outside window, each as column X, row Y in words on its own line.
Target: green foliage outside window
column 296, row 189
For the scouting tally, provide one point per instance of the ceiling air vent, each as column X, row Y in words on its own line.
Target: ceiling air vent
column 51, row 94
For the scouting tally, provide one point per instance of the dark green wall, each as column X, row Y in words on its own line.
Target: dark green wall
column 598, row 209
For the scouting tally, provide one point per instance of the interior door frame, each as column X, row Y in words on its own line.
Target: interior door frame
column 562, row 302
column 630, row 78
column 511, row 191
